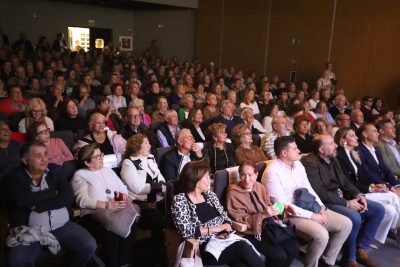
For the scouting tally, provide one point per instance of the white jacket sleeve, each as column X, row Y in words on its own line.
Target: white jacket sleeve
column 80, row 187
column 134, row 179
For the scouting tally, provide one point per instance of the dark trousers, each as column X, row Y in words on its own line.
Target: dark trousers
column 365, row 225
column 71, row 237
column 239, row 254
column 154, row 220
column 115, row 250
column 276, row 255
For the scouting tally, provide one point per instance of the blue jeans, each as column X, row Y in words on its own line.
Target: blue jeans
column 71, row 237
column 364, row 228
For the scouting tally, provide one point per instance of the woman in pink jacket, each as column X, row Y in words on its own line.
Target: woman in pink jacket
column 57, row 151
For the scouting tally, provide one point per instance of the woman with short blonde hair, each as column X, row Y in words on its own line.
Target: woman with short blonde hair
column 35, row 112
column 219, row 152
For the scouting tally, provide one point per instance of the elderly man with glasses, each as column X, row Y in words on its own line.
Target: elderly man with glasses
column 186, row 150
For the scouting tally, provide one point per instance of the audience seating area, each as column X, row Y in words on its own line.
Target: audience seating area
column 72, row 83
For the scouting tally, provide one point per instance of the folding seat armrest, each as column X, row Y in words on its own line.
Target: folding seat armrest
column 191, row 246
column 239, row 227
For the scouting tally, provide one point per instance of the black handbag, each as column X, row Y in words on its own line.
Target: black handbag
column 276, row 231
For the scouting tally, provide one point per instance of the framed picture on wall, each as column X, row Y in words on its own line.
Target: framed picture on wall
column 126, row 43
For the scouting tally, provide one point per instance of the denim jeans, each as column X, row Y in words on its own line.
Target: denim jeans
column 365, row 225
column 71, row 237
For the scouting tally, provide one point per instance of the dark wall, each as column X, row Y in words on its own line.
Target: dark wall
column 257, row 35
column 174, row 29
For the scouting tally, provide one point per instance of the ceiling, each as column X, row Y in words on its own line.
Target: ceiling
column 134, row 4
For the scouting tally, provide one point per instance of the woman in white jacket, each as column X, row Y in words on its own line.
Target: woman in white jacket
column 147, row 185
column 95, row 188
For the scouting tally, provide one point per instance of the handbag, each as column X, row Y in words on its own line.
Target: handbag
column 118, row 221
column 194, row 261
column 276, row 232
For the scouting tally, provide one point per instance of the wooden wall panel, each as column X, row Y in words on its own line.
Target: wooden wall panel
column 208, row 31
column 365, row 48
column 245, row 34
column 310, row 22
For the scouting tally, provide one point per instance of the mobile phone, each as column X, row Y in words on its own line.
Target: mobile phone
column 224, row 234
column 280, row 206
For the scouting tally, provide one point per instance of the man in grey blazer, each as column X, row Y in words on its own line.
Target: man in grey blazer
column 388, row 147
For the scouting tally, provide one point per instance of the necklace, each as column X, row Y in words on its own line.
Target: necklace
column 108, row 191
column 215, row 158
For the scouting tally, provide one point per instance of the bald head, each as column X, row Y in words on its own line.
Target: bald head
column 324, row 146
column 357, row 117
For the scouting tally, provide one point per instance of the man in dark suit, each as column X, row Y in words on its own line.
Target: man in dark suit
column 339, row 106
column 39, row 197
column 372, row 161
column 339, row 194
column 357, row 119
column 186, row 150
column 226, row 117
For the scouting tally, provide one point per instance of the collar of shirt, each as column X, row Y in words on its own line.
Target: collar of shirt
column 284, row 165
column 183, row 155
column 43, row 183
column 371, row 149
column 227, row 118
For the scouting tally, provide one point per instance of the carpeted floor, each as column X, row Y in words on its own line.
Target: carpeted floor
column 387, row 255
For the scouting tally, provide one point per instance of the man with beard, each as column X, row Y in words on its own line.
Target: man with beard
column 339, row 194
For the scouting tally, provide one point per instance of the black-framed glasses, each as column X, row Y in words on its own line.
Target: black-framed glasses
column 100, row 156
column 47, row 131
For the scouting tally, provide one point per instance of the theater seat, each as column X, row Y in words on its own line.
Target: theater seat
column 66, row 136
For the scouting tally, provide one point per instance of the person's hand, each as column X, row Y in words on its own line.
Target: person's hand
column 272, row 211
column 363, row 200
column 224, row 227
column 324, row 214
column 59, row 98
column 379, row 188
column 396, row 190
column 115, row 111
column 196, row 149
column 113, row 204
column 354, row 205
column 290, row 210
column 85, row 97
column 319, row 218
column 124, row 196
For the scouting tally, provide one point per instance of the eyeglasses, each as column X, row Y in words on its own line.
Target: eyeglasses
column 134, row 116
column 47, row 131
column 246, row 133
column 100, row 156
column 37, row 111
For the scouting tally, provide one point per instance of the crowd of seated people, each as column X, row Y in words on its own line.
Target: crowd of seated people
column 136, row 123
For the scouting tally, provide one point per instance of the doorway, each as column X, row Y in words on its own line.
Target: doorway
column 88, row 38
